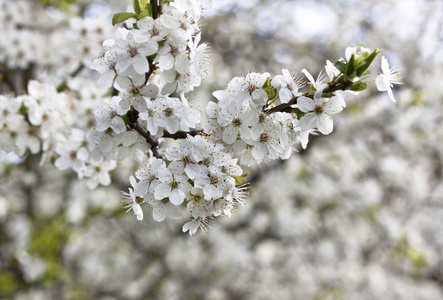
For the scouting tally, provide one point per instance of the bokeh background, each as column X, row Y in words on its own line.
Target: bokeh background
column 358, row 215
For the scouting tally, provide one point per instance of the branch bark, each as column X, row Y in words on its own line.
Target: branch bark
column 284, row 107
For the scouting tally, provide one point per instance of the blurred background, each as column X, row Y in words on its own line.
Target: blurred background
column 358, row 215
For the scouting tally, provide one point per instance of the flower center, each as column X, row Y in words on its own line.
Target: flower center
column 135, row 91
column 264, row 137
column 236, row 122
column 168, row 112
column 174, row 184
column 319, row 109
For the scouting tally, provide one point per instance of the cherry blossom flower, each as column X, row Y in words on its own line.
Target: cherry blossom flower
column 107, row 115
column 318, row 111
column 132, row 203
column 288, row 85
column 385, row 80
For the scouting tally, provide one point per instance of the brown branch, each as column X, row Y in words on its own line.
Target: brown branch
column 150, row 139
column 8, row 79
column 284, row 107
column 77, row 71
column 182, row 134
column 133, row 124
column 151, row 69
column 155, row 7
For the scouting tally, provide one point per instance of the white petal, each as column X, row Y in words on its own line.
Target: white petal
column 324, row 124
column 309, row 76
column 166, row 61
column 278, row 81
column 305, row 104
column 104, row 178
column 285, row 95
column 334, row 105
column 382, row 83
column 118, row 125
column 140, row 64
column 307, row 122
column 123, row 64
column 159, row 212
column 259, row 97
column 148, row 48
column 138, row 211
column 230, row 134
column 177, row 197
column 162, row 191
column 259, row 151
column 391, row 95
column 105, row 80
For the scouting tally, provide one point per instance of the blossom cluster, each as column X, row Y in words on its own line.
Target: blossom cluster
column 145, row 73
column 28, row 29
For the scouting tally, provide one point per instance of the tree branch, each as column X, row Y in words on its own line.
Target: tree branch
column 182, row 134
column 133, row 124
column 154, row 4
column 284, row 107
column 78, row 70
column 8, row 79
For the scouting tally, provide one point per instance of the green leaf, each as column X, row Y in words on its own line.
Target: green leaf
column 269, row 89
column 121, row 17
column 137, row 7
column 147, row 12
column 364, row 50
column 145, row 3
column 365, row 64
column 341, row 66
column 298, row 112
column 350, row 66
column 328, row 95
column 358, row 86
column 239, row 180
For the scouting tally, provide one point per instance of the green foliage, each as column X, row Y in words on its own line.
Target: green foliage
column 8, row 285
column 47, row 241
column 328, row 292
column 298, row 112
column 121, row 17
column 142, row 9
column 358, row 86
column 303, row 173
column 241, row 179
column 357, row 67
column 63, row 5
column 269, row 89
column 403, row 251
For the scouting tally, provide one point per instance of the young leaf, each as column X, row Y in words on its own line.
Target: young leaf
column 121, row 17
column 137, row 7
column 364, row 65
